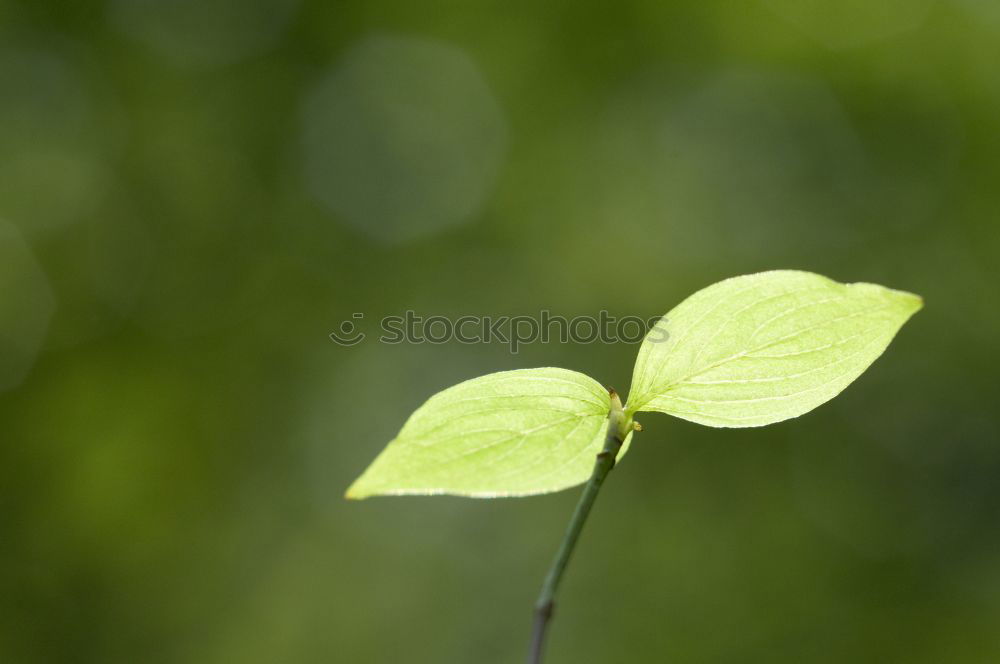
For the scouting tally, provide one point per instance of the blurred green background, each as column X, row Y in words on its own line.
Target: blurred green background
column 195, row 193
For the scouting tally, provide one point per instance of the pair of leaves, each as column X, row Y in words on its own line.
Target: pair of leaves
column 747, row 351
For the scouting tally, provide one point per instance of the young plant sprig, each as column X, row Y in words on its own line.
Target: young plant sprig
column 744, row 352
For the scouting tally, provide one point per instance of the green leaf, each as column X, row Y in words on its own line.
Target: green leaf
column 513, row 433
column 765, row 347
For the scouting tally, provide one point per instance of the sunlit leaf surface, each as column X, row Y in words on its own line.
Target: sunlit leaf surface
column 765, row 347
column 512, row 433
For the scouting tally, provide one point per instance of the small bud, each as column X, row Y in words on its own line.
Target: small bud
column 636, row 426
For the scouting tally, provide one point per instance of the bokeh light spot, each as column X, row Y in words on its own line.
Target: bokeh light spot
column 51, row 169
column 403, row 138
column 747, row 163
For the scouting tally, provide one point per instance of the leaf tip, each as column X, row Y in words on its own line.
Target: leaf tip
column 917, row 302
column 354, row 493
column 902, row 301
column 910, row 302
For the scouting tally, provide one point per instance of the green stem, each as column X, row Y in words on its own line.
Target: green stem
column 544, row 607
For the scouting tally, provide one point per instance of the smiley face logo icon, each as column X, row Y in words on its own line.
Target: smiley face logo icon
column 348, row 334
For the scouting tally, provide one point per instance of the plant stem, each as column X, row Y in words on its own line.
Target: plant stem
column 544, row 607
